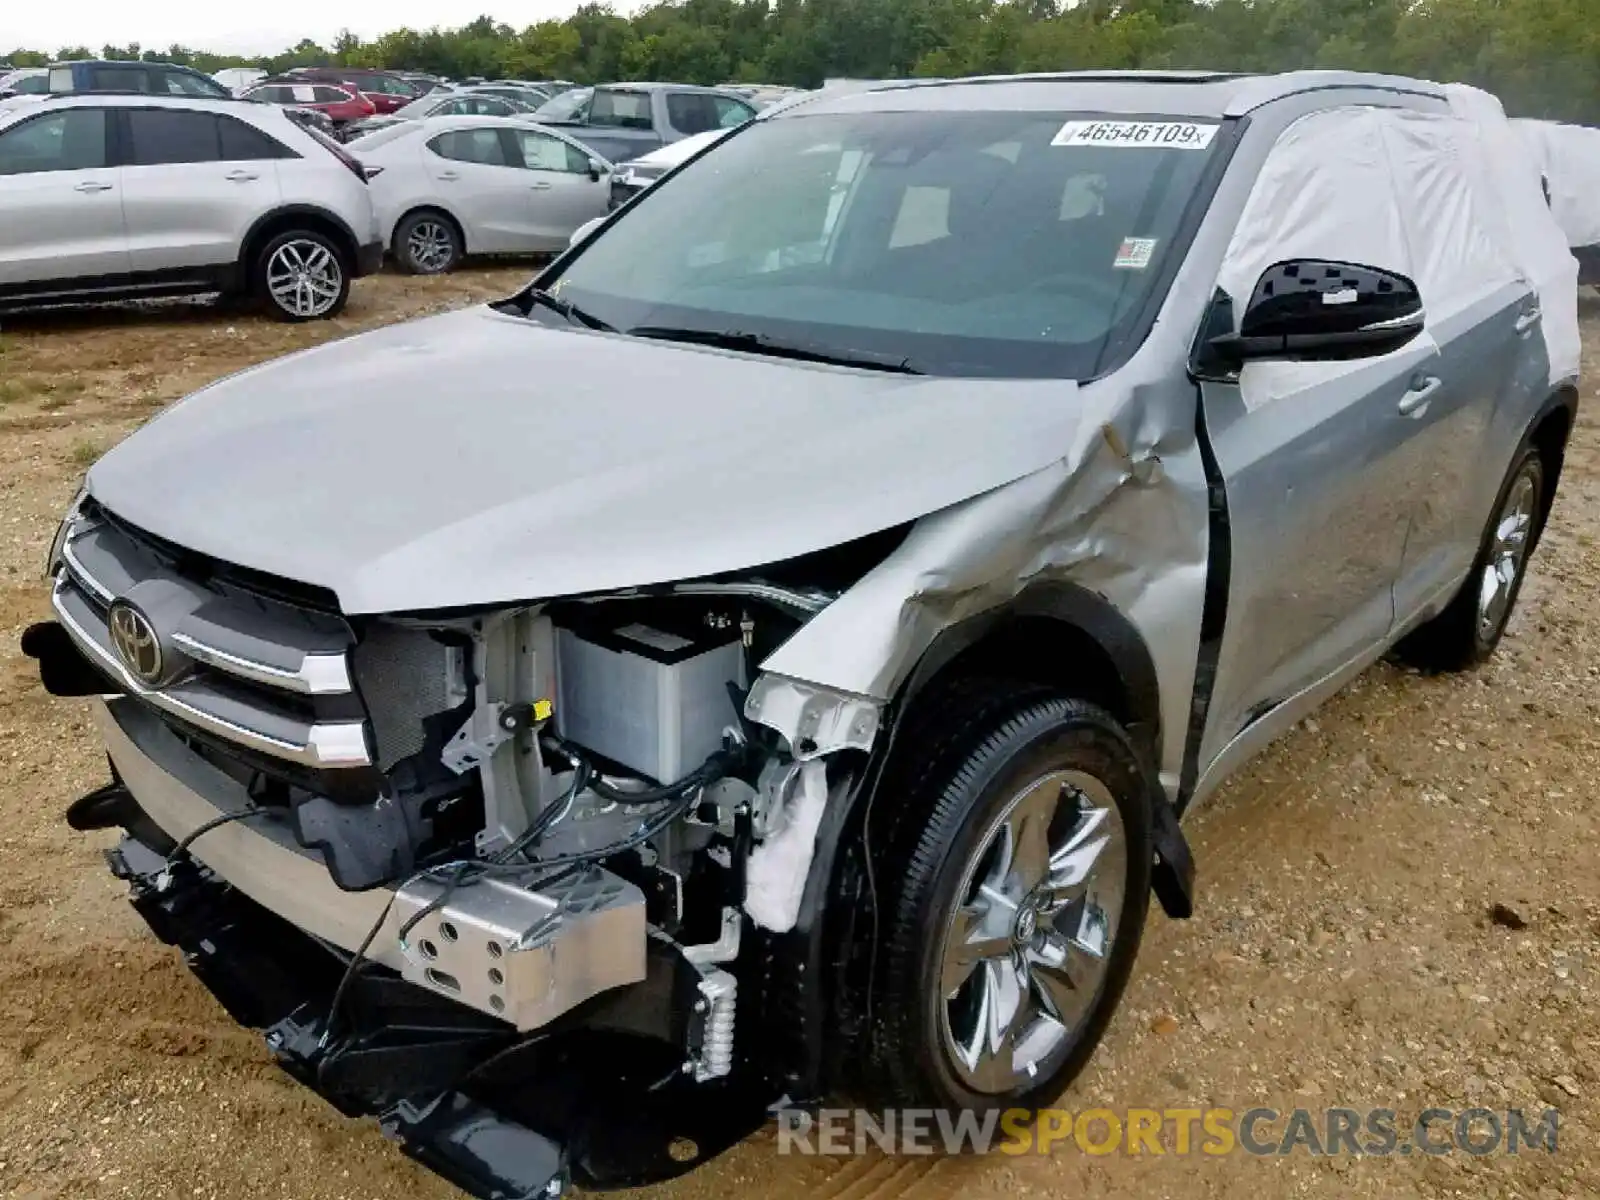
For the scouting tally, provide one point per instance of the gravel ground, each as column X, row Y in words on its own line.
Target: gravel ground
column 1400, row 903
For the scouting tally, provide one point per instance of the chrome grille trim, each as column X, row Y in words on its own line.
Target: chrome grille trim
column 319, row 674
column 341, row 744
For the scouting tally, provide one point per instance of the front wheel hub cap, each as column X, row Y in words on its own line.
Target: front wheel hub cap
column 1026, row 949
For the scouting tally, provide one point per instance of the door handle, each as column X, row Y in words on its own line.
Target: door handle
column 449, row 176
column 241, row 176
column 92, row 185
column 1528, row 320
column 1415, row 402
column 542, row 185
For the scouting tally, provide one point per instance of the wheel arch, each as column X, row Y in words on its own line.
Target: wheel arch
column 1060, row 635
column 1549, row 433
column 297, row 216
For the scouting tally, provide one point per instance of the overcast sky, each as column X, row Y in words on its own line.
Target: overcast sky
column 242, row 26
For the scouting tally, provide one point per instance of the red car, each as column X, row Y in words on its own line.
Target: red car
column 341, row 105
column 386, row 90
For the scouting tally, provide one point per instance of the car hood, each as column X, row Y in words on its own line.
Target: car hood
column 478, row 458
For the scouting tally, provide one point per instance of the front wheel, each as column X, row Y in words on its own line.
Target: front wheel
column 301, row 276
column 1017, row 912
column 1471, row 626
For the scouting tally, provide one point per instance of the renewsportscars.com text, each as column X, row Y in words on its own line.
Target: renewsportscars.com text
column 1262, row 1132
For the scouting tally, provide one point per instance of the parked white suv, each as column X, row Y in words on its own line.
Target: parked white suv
column 116, row 197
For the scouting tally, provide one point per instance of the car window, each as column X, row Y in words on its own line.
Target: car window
column 491, row 106
column 690, row 112
column 74, row 140
column 623, row 110
column 389, row 87
column 169, row 135
column 61, row 80
column 541, row 152
column 471, row 145
column 183, row 83
column 246, row 143
column 119, row 79
column 31, row 85
column 329, row 95
column 731, row 112
column 461, row 107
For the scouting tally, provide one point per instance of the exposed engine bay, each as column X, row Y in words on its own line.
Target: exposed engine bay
column 594, row 784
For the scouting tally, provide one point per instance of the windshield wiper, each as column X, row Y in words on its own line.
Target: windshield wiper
column 568, row 309
column 762, row 343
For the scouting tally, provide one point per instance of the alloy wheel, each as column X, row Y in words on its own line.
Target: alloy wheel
column 431, row 246
column 1025, row 953
column 304, row 278
column 1508, row 551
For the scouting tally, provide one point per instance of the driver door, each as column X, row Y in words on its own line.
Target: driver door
column 1314, row 456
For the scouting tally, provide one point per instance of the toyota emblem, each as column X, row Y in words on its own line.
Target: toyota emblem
column 136, row 643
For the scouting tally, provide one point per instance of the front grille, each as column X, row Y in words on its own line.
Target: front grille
column 269, row 665
column 258, row 671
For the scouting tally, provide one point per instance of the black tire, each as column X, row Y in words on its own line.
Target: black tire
column 971, row 772
column 326, row 282
column 427, row 242
column 1464, row 635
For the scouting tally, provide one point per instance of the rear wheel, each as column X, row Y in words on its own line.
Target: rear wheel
column 1470, row 628
column 301, row 275
column 1017, row 903
column 427, row 243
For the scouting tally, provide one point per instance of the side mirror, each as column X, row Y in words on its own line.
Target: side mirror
column 584, row 230
column 1309, row 309
column 596, row 169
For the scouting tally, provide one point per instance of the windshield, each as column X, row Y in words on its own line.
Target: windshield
column 989, row 243
column 565, row 106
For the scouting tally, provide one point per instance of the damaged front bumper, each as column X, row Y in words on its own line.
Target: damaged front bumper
column 449, row 1063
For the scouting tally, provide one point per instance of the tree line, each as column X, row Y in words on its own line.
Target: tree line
column 1542, row 57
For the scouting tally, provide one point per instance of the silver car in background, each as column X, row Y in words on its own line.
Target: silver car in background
column 452, row 186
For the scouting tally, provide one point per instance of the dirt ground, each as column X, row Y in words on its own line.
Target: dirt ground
column 1347, row 950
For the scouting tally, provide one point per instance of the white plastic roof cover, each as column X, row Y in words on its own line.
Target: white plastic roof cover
column 1569, row 156
column 1451, row 201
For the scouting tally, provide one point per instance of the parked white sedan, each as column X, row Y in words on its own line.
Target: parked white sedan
column 452, row 186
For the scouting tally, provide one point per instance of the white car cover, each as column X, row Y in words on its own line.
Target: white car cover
column 1453, row 201
column 1569, row 156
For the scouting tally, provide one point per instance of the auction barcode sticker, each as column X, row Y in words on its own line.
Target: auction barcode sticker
column 1152, row 135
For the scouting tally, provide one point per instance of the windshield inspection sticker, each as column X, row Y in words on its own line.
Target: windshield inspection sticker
column 1135, row 254
column 1137, row 135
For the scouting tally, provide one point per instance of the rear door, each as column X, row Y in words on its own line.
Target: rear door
column 561, row 193
column 477, row 171
column 190, row 194
column 1483, row 312
column 60, row 201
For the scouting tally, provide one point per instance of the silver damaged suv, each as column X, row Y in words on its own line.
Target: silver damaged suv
column 768, row 658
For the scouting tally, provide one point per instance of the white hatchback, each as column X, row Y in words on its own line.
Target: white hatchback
column 452, row 186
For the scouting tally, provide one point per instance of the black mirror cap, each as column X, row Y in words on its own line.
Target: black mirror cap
column 1311, row 309
column 596, row 169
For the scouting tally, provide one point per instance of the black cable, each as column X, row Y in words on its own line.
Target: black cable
column 353, row 967
column 182, row 848
column 469, row 871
